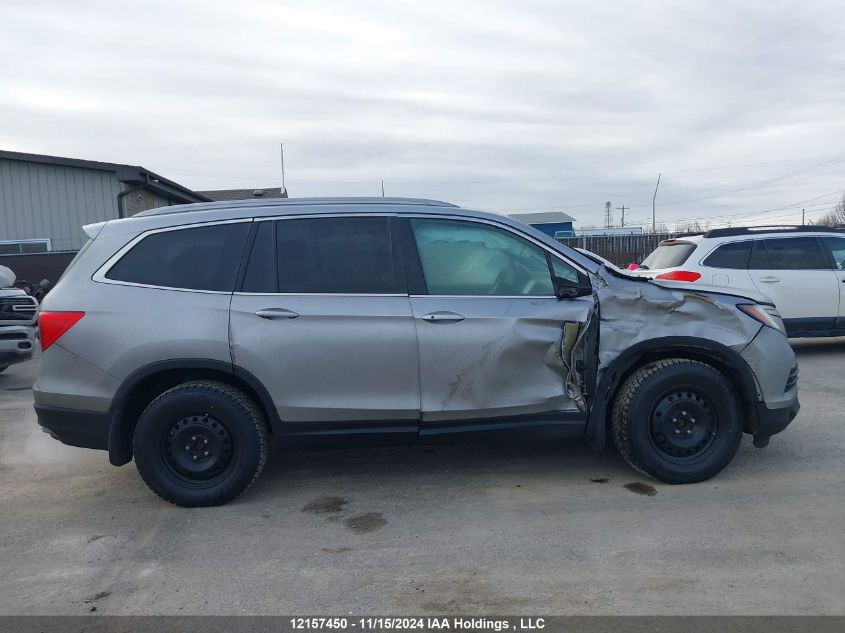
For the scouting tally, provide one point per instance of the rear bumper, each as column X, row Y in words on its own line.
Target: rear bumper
column 87, row 429
column 773, row 421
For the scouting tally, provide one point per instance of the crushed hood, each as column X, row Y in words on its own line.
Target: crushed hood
column 697, row 288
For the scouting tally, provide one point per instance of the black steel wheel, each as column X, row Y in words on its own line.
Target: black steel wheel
column 677, row 421
column 198, row 449
column 200, row 443
column 684, row 424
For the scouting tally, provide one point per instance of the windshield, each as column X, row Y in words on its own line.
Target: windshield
column 668, row 255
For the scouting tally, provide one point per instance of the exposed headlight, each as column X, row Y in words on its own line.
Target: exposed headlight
column 765, row 314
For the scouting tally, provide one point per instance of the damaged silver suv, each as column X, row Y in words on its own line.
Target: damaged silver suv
column 190, row 337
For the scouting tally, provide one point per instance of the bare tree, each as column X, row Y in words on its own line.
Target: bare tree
column 835, row 217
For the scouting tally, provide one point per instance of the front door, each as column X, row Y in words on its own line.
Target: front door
column 795, row 273
column 489, row 326
column 836, row 247
column 324, row 322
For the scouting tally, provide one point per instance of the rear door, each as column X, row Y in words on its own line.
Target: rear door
column 836, row 247
column 796, row 274
column 489, row 326
column 324, row 322
column 727, row 265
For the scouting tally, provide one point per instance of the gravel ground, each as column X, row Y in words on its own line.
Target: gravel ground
column 551, row 529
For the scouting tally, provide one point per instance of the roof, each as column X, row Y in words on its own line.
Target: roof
column 277, row 205
column 245, row 194
column 188, row 214
column 131, row 174
column 545, row 217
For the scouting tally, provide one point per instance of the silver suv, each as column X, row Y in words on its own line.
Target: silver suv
column 190, row 337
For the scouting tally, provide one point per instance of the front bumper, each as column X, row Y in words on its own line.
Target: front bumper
column 772, row 421
column 17, row 343
column 87, row 429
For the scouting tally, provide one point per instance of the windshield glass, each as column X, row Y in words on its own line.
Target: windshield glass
column 668, row 255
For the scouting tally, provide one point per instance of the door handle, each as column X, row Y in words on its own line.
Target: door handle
column 770, row 279
column 277, row 313
column 443, row 317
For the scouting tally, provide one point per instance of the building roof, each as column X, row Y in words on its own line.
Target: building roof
column 545, row 217
column 132, row 175
column 245, row 194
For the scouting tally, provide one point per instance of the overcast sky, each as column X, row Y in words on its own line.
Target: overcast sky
column 507, row 106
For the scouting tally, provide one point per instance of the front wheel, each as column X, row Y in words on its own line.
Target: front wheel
column 676, row 420
column 200, row 443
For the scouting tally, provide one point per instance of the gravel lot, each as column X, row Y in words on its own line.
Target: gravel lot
column 542, row 529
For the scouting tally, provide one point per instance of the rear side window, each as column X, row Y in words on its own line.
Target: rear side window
column 335, row 255
column 197, row 258
column 733, row 255
column 669, row 255
column 836, row 246
column 795, row 253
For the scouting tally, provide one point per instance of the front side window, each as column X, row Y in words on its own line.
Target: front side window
column 792, row 253
column 470, row 258
column 196, row 258
column 734, row 255
column 335, row 255
column 836, row 246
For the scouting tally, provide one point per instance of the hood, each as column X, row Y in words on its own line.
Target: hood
column 686, row 286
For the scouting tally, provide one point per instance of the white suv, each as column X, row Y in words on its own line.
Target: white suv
column 801, row 269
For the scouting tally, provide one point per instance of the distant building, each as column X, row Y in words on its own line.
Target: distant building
column 613, row 230
column 552, row 223
column 45, row 200
column 245, row 194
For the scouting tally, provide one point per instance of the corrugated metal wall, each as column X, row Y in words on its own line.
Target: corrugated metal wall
column 50, row 201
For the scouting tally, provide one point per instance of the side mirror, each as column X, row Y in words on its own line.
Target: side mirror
column 565, row 289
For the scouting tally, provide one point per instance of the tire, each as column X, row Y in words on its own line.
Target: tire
column 676, row 421
column 200, row 443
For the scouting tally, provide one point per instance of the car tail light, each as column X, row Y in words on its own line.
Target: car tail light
column 679, row 275
column 51, row 325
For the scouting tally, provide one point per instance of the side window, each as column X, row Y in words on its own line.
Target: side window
column 836, row 245
column 564, row 271
column 790, row 253
column 197, row 258
column 733, row 255
column 470, row 258
column 335, row 255
column 260, row 274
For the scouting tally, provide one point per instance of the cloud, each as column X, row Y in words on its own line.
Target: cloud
column 497, row 105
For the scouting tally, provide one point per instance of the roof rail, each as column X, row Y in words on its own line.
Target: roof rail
column 777, row 228
column 293, row 202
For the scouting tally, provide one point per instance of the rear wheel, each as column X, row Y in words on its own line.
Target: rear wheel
column 200, row 443
column 677, row 420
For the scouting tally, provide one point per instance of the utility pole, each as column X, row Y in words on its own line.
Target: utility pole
column 608, row 215
column 382, row 187
column 622, row 208
column 284, row 190
column 653, row 215
column 802, row 217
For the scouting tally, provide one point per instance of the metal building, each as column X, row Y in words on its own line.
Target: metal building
column 45, row 200
column 552, row 223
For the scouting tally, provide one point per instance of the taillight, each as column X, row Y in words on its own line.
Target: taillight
column 51, row 325
column 679, row 275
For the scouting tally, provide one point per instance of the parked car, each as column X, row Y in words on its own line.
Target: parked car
column 801, row 269
column 18, row 315
column 191, row 336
